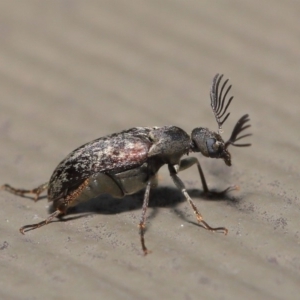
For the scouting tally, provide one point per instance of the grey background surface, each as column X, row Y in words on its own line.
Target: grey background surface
column 72, row 71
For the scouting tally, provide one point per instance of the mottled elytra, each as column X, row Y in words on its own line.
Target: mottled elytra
column 126, row 162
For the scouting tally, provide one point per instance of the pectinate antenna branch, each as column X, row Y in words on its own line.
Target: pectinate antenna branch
column 219, row 103
column 238, row 128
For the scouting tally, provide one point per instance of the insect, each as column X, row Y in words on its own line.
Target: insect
column 124, row 163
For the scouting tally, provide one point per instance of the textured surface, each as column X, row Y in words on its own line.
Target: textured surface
column 72, row 71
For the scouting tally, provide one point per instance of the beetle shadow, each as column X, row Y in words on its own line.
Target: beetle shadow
column 169, row 197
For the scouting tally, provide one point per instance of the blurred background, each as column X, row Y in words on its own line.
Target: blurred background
column 72, row 71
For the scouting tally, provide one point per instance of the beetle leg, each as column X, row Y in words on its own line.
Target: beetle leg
column 40, row 224
column 190, row 161
column 21, row 192
column 61, row 205
column 180, row 185
column 142, row 224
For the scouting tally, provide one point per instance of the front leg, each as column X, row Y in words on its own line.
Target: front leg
column 190, row 161
column 180, row 185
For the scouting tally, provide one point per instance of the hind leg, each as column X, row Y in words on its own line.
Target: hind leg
column 61, row 206
column 21, row 192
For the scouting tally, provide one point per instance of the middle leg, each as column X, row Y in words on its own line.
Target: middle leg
column 142, row 224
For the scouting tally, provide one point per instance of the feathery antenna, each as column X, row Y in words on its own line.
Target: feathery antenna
column 218, row 100
column 238, row 128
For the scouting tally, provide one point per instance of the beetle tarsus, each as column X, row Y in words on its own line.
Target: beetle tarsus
column 213, row 229
column 142, row 236
column 21, row 192
column 231, row 188
column 26, row 228
column 205, row 224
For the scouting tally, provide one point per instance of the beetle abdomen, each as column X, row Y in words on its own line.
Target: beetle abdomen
column 117, row 152
column 117, row 185
column 99, row 184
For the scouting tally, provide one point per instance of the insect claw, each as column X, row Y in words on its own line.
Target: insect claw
column 146, row 252
column 225, row 231
column 231, row 188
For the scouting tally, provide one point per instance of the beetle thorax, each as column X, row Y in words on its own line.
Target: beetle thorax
column 169, row 143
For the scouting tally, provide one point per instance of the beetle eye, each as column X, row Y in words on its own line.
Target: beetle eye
column 214, row 148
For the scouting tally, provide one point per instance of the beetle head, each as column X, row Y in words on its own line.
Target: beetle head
column 210, row 144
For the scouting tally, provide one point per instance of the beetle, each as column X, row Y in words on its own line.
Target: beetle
column 124, row 163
